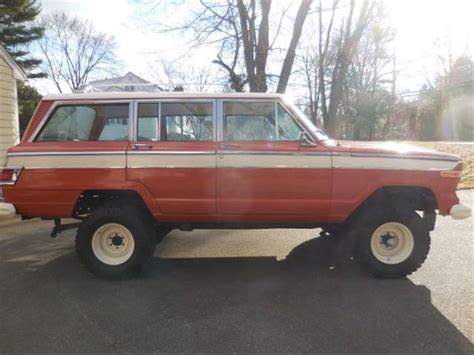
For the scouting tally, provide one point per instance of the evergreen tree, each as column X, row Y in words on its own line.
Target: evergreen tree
column 17, row 31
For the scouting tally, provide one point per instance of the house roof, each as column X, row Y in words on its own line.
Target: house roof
column 17, row 72
column 158, row 96
column 127, row 79
column 128, row 82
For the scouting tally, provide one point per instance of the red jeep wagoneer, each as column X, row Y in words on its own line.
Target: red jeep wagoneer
column 132, row 166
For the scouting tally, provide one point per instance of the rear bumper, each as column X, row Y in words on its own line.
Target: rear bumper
column 460, row 212
column 7, row 210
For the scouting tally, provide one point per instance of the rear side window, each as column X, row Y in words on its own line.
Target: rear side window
column 102, row 122
column 175, row 121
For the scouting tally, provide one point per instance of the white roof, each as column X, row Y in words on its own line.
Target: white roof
column 158, row 95
column 17, row 72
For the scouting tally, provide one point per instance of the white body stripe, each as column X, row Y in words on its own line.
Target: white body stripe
column 385, row 163
column 171, row 160
column 69, row 161
column 273, row 161
column 208, row 159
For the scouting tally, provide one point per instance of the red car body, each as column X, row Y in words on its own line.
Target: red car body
column 217, row 181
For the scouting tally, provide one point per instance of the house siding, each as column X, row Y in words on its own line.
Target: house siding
column 9, row 132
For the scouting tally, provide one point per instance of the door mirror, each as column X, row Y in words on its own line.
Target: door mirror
column 305, row 140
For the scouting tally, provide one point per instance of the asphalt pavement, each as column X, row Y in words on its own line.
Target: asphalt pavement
column 235, row 291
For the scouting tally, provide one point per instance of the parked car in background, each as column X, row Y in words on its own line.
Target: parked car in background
column 132, row 166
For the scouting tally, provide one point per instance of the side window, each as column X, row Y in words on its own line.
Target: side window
column 249, row 121
column 288, row 129
column 103, row 122
column 186, row 121
column 259, row 121
column 148, row 114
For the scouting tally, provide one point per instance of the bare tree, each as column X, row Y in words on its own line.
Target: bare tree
column 326, row 62
column 349, row 38
column 247, row 34
column 172, row 77
column 371, row 78
column 73, row 50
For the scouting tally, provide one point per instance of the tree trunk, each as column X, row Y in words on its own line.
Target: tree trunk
column 248, row 45
column 261, row 52
column 344, row 57
column 291, row 52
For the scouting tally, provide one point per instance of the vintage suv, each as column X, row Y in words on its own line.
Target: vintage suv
column 133, row 166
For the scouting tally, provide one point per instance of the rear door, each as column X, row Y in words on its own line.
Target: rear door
column 174, row 154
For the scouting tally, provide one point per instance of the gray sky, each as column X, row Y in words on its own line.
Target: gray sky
column 419, row 24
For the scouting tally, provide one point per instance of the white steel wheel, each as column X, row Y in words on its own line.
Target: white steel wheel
column 392, row 243
column 113, row 244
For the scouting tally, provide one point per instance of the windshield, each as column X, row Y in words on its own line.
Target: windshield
column 308, row 123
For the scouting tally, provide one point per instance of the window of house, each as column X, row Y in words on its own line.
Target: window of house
column 259, row 121
column 103, row 122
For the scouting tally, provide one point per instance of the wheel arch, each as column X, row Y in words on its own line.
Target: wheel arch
column 415, row 198
column 88, row 200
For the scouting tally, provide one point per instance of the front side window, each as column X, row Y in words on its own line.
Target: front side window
column 102, row 122
column 259, row 121
column 175, row 121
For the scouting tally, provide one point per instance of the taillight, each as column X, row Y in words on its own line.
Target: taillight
column 9, row 175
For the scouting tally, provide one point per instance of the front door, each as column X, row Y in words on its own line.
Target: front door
column 263, row 169
column 174, row 155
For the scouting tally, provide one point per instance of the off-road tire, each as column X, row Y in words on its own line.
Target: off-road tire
column 135, row 220
column 365, row 255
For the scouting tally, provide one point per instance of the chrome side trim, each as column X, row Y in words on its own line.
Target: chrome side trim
column 72, row 167
column 390, row 156
column 165, row 152
column 78, row 153
column 256, row 152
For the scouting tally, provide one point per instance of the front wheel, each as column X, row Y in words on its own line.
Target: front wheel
column 393, row 246
column 115, row 240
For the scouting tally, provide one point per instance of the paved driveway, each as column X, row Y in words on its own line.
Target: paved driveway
column 245, row 291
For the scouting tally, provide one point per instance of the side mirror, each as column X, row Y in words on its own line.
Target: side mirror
column 306, row 141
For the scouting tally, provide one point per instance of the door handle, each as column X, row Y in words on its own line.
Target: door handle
column 138, row 146
column 228, row 145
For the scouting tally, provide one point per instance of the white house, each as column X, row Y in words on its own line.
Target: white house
column 127, row 82
column 9, row 122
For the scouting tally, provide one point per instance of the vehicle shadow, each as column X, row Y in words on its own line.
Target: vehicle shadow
column 309, row 302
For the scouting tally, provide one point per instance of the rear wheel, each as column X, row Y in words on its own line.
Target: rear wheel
column 115, row 240
column 393, row 245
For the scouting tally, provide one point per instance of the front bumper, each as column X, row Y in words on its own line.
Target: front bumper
column 460, row 212
column 7, row 210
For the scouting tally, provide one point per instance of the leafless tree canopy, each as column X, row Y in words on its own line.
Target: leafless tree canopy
column 171, row 76
column 333, row 53
column 247, row 33
column 73, row 50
